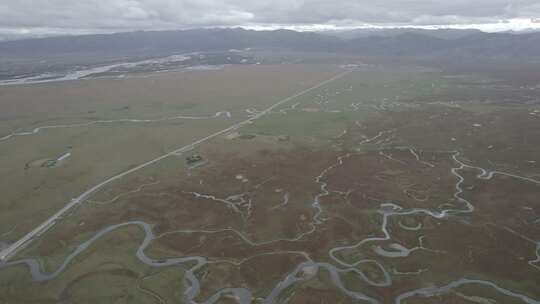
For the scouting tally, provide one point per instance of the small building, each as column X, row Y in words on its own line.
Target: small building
column 195, row 158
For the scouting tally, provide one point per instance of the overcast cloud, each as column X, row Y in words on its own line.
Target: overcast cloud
column 45, row 17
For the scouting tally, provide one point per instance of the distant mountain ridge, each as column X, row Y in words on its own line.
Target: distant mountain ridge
column 468, row 44
column 185, row 41
column 364, row 33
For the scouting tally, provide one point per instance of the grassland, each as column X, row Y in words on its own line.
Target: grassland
column 388, row 183
column 104, row 149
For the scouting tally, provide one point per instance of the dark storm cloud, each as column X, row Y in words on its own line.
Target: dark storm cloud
column 69, row 16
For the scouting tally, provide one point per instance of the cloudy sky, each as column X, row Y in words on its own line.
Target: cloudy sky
column 46, row 17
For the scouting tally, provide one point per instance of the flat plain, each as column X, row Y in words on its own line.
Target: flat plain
column 291, row 183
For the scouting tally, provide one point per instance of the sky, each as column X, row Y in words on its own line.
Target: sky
column 30, row 18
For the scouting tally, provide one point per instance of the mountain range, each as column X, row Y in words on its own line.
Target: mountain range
column 468, row 44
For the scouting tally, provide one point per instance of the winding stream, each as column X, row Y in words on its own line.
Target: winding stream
column 306, row 270
column 113, row 121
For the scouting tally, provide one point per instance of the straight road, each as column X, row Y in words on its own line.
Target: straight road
column 51, row 221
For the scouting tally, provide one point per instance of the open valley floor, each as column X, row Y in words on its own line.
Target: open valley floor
column 311, row 182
